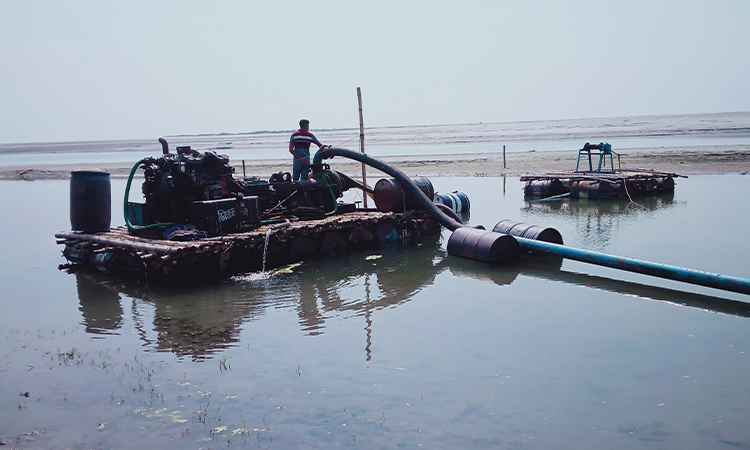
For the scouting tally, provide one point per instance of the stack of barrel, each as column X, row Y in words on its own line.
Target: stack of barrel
column 498, row 245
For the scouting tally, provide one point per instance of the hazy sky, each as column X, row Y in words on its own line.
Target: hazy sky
column 90, row 70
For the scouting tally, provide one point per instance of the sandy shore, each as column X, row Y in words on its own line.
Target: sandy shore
column 682, row 160
column 688, row 160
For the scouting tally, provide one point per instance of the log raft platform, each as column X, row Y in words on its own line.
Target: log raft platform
column 219, row 257
column 617, row 175
column 596, row 177
column 617, row 183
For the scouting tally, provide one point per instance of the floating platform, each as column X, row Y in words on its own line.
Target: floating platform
column 618, row 183
column 214, row 258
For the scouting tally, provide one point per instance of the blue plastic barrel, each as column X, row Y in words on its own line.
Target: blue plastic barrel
column 90, row 200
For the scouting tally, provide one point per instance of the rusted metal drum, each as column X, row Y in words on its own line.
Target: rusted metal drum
column 390, row 196
column 590, row 189
column 523, row 230
column 483, row 245
column 90, row 200
column 544, row 188
column 665, row 184
column 457, row 201
column 617, row 189
column 645, row 185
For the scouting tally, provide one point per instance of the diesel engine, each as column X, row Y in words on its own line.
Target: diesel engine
column 200, row 189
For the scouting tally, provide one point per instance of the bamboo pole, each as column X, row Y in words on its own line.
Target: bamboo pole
column 362, row 142
column 166, row 247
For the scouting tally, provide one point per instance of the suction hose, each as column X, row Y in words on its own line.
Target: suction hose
column 323, row 178
column 399, row 176
column 126, row 207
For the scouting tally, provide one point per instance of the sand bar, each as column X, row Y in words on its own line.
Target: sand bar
column 701, row 158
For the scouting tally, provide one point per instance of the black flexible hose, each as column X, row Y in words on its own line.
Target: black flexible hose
column 402, row 179
column 447, row 210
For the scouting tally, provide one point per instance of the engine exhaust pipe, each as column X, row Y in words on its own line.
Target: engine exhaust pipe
column 164, row 145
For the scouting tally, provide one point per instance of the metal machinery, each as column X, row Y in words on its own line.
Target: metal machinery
column 199, row 189
column 604, row 150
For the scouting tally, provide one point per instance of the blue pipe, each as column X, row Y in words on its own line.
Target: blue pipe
column 685, row 274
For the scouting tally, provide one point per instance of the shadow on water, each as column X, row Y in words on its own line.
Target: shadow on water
column 199, row 321
column 596, row 220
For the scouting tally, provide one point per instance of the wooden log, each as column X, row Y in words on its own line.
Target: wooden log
column 114, row 241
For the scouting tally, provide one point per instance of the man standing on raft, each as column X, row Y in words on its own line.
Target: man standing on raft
column 299, row 147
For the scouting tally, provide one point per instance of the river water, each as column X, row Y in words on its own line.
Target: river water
column 394, row 348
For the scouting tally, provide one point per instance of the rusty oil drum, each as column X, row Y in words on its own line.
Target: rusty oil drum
column 544, row 188
column 645, row 185
column 665, row 184
column 90, row 200
column 390, row 196
column 483, row 245
column 590, row 189
column 523, row 230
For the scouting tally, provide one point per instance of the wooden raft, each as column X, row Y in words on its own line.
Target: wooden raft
column 619, row 175
column 214, row 258
column 600, row 185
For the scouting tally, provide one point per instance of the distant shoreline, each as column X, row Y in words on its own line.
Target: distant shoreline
column 592, row 130
column 683, row 160
column 689, row 159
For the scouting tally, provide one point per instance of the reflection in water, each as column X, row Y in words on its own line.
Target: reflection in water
column 597, row 220
column 200, row 321
column 100, row 305
column 700, row 301
column 549, row 268
column 193, row 322
column 359, row 283
column 479, row 270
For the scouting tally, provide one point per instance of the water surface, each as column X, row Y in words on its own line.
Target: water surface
column 394, row 348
